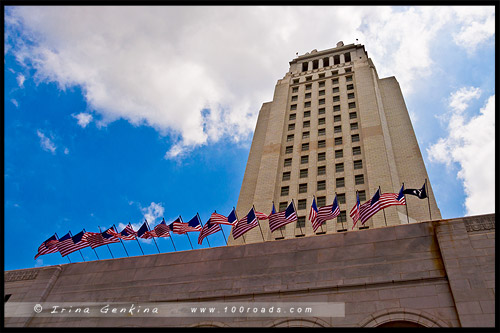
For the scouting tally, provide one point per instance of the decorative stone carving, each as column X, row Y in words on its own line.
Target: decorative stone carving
column 479, row 224
column 22, row 275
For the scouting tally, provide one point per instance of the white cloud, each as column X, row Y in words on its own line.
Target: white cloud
column 46, row 143
column 20, row 80
column 459, row 100
column 83, row 119
column 152, row 212
column 39, row 262
column 66, row 151
column 199, row 74
column 471, row 144
column 477, row 26
column 15, row 102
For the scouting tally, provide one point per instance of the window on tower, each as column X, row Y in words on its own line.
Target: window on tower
column 301, row 204
column 286, row 175
column 285, row 190
column 321, row 185
column 359, row 179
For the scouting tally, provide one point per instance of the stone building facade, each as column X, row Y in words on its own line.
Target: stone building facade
column 438, row 273
column 333, row 127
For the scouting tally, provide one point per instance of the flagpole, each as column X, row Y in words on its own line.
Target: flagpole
column 93, row 248
column 321, row 225
column 221, row 228
column 428, row 200
column 383, row 210
column 258, row 222
column 55, row 233
column 199, row 218
column 73, row 243
column 149, row 229
column 238, row 221
column 136, row 239
column 406, row 204
column 280, row 227
column 114, row 227
column 346, row 212
column 182, row 221
column 301, row 232
column 106, row 244
column 170, row 235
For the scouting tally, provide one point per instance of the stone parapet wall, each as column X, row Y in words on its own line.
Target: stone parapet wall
column 433, row 273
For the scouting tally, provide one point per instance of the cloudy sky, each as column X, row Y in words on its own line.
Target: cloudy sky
column 120, row 114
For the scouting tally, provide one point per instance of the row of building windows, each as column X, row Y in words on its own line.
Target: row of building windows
column 321, row 132
column 308, row 95
column 322, row 121
column 339, row 153
column 321, row 185
column 321, row 143
column 339, row 167
column 326, row 62
column 321, row 84
column 321, row 101
column 293, row 107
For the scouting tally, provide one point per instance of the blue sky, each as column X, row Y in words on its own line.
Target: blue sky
column 112, row 117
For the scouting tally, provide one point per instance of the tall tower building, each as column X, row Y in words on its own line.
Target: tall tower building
column 333, row 128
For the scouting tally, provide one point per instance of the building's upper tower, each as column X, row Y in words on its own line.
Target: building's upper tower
column 333, row 128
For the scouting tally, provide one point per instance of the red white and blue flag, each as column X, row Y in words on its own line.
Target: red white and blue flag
column 144, row 232
column 208, row 229
column 370, row 208
column 277, row 220
column 313, row 213
column 355, row 211
column 250, row 221
column 128, row 233
column 161, row 230
column 326, row 213
column 392, row 199
column 72, row 244
column 49, row 246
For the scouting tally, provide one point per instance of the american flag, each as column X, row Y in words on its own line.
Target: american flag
column 180, row 227
column 49, row 246
column 313, row 213
column 128, row 233
column 277, row 220
column 109, row 237
column 248, row 222
column 231, row 218
column 355, row 211
column 73, row 244
column 391, row 199
column 219, row 219
column 64, row 241
column 208, row 229
column 370, row 208
column 144, row 232
column 96, row 239
column 326, row 213
column 161, row 230
column 261, row 216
